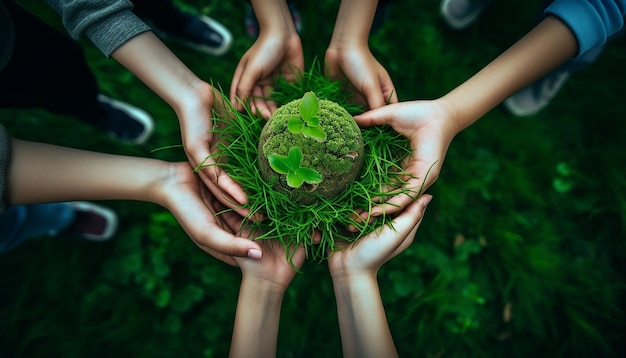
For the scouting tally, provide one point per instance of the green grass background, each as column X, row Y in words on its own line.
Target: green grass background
column 521, row 251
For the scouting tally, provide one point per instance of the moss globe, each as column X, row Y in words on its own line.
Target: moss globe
column 330, row 142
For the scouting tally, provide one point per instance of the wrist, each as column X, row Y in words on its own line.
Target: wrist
column 263, row 286
column 456, row 120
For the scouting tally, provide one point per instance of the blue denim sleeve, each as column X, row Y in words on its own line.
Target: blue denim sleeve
column 5, row 152
column 591, row 21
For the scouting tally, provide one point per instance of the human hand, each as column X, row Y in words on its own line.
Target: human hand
column 274, row 268
column 196, row 125
column 272, row 55
column 194, row 207
column 430, row 127
column 380, row 246
column 366, row 78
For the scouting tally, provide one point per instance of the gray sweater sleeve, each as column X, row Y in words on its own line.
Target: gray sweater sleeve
column 107, row 23
column 5, row 152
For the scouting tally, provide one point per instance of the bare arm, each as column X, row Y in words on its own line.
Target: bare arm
column 191, row 98
column 431, row 125
column 47, row 173
column 548, row 45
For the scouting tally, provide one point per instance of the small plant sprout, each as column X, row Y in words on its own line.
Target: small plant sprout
column 309, row 123
column 290, row 165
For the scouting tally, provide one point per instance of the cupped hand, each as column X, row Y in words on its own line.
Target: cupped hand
column 365, row 77
column 429, row 127
column 274, row 266
column 193, row 206
column 272, row 55
column 196, row 125
column 373, row 250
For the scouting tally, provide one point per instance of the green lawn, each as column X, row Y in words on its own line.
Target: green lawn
column 521, row 251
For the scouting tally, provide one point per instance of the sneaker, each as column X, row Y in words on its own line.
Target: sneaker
column 124, row 121
column 92, row 222
column 537, row 96
column 201, row 33
column 252, row 24
column 459, row 14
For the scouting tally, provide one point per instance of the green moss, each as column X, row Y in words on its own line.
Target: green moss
column 338, row 158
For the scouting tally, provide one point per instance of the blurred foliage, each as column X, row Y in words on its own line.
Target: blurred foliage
column 521, row 252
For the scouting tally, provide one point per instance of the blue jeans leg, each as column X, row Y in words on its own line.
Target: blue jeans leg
column 22, row 222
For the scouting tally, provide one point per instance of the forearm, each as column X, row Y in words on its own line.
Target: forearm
column 273, row 17
column 362, row 320
column 158, row 68
column 550, row 44
column 255, row 331
column 353, row 23
column 47, row 173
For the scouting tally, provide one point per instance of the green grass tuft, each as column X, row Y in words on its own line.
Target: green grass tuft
column 284, row 218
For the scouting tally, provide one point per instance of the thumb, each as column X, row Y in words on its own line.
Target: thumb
column 374, row 117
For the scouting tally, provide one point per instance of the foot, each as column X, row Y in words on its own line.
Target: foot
column 200, row 33
column 459, row 14
column 252, row 24
column 124, row 121
column 537, row 96
column 92, row 222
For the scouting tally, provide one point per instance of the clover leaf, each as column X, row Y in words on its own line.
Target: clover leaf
column 309, row 123
column 290, row 165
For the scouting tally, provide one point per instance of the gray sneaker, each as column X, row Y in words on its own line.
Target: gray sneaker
column 536, row 96
column 459, row 14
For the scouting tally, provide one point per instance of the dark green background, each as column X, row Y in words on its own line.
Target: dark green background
column 528, row 218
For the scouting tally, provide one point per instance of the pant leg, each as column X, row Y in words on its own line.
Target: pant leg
column 48, row 70
column 23, row 222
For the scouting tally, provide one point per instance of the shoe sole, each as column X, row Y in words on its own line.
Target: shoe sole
column 138, row 114
column 108, row 214
column 452, row 21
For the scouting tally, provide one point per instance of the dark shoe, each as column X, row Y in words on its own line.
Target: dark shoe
column 92, row 222
column 252, row 24
column 201, row 33
column 124, row 121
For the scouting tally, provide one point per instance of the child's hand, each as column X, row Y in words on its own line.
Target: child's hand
column 430, row 128
column 367, row 79
column 372, row 251
column 191, row 203
column 272, row 55
column 273, row 270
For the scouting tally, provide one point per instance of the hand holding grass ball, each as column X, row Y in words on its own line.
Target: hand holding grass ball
column 312, row 148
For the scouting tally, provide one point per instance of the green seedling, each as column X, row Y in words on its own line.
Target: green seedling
column 290, row 165
column 309, row 123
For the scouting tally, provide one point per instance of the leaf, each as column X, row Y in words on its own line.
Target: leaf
column 314, row 132
column 313, row 121
column 294, row 158
column 309, row 175
column 295, row 125
column 309, row 106
column 294, row 180
column 278, row 163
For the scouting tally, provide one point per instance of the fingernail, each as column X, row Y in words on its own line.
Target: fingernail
column 255, row 254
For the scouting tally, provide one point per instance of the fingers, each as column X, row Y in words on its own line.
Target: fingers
column 220, row 243
column 234, row 85
column 389, row 91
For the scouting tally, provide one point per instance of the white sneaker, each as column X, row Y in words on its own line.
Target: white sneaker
column 536, row 96
column 459, row 14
